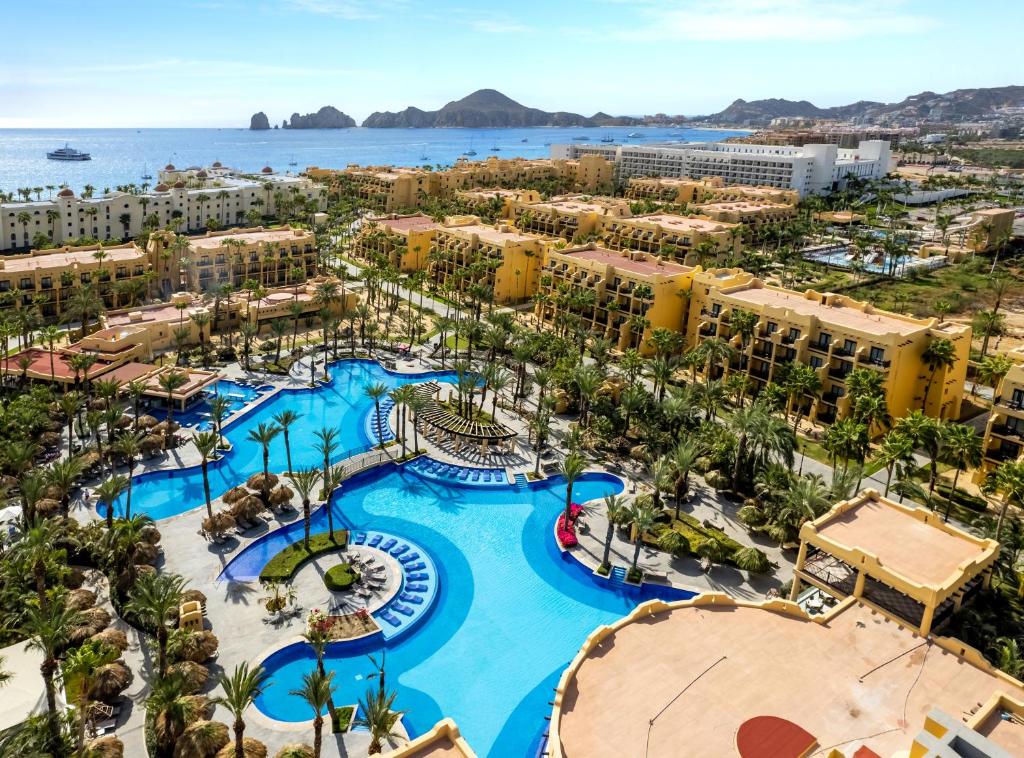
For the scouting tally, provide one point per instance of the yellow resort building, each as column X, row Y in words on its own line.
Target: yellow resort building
column 834, row 334
column 716, row 676
column 572, row 217
column 404, row 241
column 628, row 294
column 119, row 273
column 1004, row 433
column 270, row 257
column 499, row 257
column 687, row 239
column 497, row 202
column 676, row 191
column 747, row 212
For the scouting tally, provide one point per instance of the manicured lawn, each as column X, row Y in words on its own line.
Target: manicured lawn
column 283, row 566
column 340, row 577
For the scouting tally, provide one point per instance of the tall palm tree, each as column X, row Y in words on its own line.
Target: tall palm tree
column 317, row 689
column 80, row 665
column 684, row 459
column 379, row 718
column 129, row 446
column 284, row 420
column 375, row 392
column 155, row 598
column 616, row 509
column 571, row 467
column 48, row 629
column 641, row 519
column 171, row 710
column 170, row 382
column 896, row 449
column 305, row 480
column 962, row 448
column 220, row 409
column 206, row 444
column 264, row 434
column 940, row 354
column 70, row 405
column 108, row 491
column 241, row 689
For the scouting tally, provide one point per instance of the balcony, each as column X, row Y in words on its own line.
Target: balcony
column 1013, row 405
column 788, row 339
column 1003, row 453
column 842, row 352
column 1001, row 430
column 838, row 373
column 876, row 363
column 708, row 330
column 821, row 347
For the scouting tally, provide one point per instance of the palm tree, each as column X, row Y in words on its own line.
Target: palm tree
column 587, row 380
column 49, row 335
column 171, row 711
column 685, row 458
column 317, row 689
column 305, row 480
column 961, row 447
column 34, row 549
column 80, row 665
column 926, row 433
column 155, row 598
column 171, row 381
column 64, row 475
column 264, row 434
column 641, row 519
column 375, row 392
column 48, row 629
column 206, row 444
column 284, row 420
column 988, row 324
column 940, row 354
column 241, row 689
column 379, row 718
column 108, row 491
column 70, row 405
column 129, row 446
column 802, row 381
column 571, row 467
column 896, row 449
column 616, row 509
column 220, row 409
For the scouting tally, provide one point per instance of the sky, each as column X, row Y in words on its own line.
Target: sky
column 143, row 63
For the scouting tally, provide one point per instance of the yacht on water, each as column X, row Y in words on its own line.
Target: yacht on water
column 634, row 135
column 293, row 162
column 608, row 138
column 68, row 154
column 495, row 149
column 145, row 172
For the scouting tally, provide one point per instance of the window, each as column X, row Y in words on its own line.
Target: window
column 716, row 308
column 5, row 286
column 772, row 327
column 877, row 355
column 794, row 334
column 26, row 283
column 86, row 278
column 849, row 346
column 824, row 340
column 47, row 282
column 1018, row 399
column 815, row 361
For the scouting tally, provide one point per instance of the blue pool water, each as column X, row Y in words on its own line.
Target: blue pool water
column 510, row 614
column 197, row 417
column 341, row 405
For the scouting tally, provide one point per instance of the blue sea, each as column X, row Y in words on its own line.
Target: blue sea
column 122, row 156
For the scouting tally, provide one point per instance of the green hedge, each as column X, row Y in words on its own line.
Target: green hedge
column 695, row 532
column 342, row 719
column 340, row 577
column 283, row 566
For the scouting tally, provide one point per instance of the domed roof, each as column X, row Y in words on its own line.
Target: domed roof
column 66, row 192
column 169, row 167
column 268, row 170
column 179, row 185
column 217, row 164
column 202, row 174
column 161, row 187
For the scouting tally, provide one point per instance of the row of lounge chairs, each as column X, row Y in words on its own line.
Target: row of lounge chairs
column 460, row 473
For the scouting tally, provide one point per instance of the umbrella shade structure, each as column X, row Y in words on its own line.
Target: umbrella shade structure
column 202, row 739
column 147, row 422
column 80, row 599
column 251, row 748
column 255, row 482
column 194, row 675
column 219, row 524
column 94, row 621
column 47, row 506
column 281, row 495
column 107, row 746
column 110, row 681
column 235, row 494
column 248, row 506
column 295, row 750
column 198, row 647
column 114, row 638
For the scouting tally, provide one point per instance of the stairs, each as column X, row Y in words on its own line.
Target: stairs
column 521, row 481
column 618, row 575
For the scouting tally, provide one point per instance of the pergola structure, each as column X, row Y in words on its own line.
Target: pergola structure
column 197, row 381
column 443, row 423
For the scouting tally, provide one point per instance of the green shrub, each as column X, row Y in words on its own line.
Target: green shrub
column 340, row 577
column 634, row 575
column 283, row 566
column 342, row 719
column 604, row 569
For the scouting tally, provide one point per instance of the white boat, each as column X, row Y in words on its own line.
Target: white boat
column 633, row 135
column 68, row 154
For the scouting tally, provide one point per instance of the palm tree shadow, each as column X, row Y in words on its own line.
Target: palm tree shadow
column 238, row 592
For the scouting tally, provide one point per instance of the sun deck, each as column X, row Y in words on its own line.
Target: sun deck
column 248, row 238
column 623, row 261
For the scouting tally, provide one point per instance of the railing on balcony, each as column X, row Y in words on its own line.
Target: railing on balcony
column 838, row 373
column 1006, row 431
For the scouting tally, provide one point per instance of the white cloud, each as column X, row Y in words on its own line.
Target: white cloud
column 499, row 26
column 804, row 21
column 350, row 10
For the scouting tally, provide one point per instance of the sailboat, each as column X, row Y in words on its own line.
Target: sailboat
column 471, row 151
column 145, row 172
column 293, row 162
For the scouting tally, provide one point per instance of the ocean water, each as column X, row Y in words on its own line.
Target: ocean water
column 122, row 156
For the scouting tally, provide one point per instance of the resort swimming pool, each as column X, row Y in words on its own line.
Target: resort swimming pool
column 510, row 614
column 198, row 416
column 341, row 405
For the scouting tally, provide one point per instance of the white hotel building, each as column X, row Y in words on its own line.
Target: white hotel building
column 186, row 196
column 810, row 170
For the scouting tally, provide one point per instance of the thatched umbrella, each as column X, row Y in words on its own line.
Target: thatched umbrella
column 49, row 439
column 114, row 638
column 220, row 523
column 124, row 422
column 74, row 578
column 79, row 600
column 108, row 746
column 47, row 506
column 198, row 647
column 203, row 739
column 163, row 428
column 194, row 675
column 94, row 621
column 8, row 481
column 295, row 750
column 98, row 404
column 201, row 706
column 247, row 506
column 281, row 495
column 150, row 444
column 150, row 535
column 255, row 482
column 88, row 459
column 196, row 596
column 146, row 553
column 235, row 494
column 251, row 748
column 110, row 681
column 147, row 422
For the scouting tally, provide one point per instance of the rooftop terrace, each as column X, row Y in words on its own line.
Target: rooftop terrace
column 490, row 233
column 250, row 237
column 407, row 223
column 647, row 266
column 69, row 258
column 683, row 223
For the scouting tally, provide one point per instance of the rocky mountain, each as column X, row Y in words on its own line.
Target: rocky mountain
column 259, row 121
column 327, row 117
column 488, row 108
column 961, row 103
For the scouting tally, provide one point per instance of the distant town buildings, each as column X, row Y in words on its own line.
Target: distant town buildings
column 809, row 169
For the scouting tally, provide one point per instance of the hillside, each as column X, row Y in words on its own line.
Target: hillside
column 961, row 103
column 327, row 117
column 488, row 108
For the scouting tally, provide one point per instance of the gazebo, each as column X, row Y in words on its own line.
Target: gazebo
column 442, row 424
